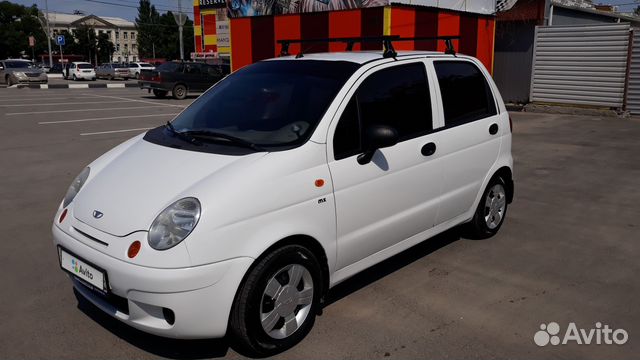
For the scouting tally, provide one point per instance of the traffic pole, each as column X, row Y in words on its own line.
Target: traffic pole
column 46, row 7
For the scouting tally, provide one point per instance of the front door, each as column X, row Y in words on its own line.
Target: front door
column 394, row 196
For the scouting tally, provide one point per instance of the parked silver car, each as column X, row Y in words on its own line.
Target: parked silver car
column 112, row 71
column 137, row 67
column 18, row 71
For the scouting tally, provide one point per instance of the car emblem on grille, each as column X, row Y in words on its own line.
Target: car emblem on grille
column 97, row 214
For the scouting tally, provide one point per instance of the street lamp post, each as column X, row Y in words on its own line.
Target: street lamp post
column 46, row 7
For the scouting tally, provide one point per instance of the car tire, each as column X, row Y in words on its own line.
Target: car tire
column 9, row 81
column 160, row 94
column 137, row 76
column 75, row 78
column 93, row 79
column 491, row 210
column 273, row 310
column 179, row 92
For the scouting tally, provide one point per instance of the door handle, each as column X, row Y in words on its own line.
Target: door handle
column 493, row 129
column 428, row 149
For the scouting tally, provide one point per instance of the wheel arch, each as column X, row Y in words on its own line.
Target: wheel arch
column 507, row 175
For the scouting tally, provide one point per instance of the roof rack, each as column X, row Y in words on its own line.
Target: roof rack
column 387, row 43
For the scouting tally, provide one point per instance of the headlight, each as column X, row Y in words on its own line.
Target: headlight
column 174, row 223
column 19, row 74
column 75, row 187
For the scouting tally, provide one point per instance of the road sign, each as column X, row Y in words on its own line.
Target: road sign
column 32, row 41
column 60, row 40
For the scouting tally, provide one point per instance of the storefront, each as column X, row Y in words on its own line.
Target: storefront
column 254, row 27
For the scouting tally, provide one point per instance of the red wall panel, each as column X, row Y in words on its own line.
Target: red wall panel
column 448, row 25
column 344, row 24
column 372, row 24
column 426, row 26
column 485, row 41
column 240, row 42
column 315, row 26
column 286, row 27
column 403, row 23
column 469, row 34
column 262, row 38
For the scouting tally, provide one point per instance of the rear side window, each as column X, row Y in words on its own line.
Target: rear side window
column 466, row 95
column 396, row 97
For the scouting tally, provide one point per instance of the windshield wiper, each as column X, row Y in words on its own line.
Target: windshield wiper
column 182, row 135
column 230, row 138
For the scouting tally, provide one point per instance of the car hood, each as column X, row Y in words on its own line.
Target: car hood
column 138, row 183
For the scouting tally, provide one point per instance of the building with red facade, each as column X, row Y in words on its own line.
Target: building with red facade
column 248, row 31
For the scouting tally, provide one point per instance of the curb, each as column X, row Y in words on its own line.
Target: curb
column 71, row 86
column 573, row 110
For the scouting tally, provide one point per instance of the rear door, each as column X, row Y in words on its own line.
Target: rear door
column 193, row 76
column 470, row 136
column 395, row 196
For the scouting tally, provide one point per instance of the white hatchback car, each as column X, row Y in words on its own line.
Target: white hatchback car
column 281, row 181
column 80, row 70
column 136, row 68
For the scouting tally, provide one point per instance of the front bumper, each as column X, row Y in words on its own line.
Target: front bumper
column 200, row 297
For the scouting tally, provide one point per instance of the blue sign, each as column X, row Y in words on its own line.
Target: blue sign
column 60, row 40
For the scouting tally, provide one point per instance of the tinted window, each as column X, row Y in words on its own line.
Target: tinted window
column 270, row 103
column 169, row 66
column 192, row 68
column 466, row 95
column 346, row 141
column 396, row 97
column 85, row 66
column 18, row 64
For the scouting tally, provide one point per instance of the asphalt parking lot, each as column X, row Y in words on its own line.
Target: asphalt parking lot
column 568, row 251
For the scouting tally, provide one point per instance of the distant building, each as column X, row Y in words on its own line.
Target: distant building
column 123, row 33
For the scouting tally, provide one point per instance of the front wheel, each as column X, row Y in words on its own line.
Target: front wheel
column 491, row 210
column 276, row 305
column 179, row 92
column 9, row 81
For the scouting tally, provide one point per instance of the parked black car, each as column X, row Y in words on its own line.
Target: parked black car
column 180, row 78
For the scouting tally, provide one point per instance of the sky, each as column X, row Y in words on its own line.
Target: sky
column 127, row 9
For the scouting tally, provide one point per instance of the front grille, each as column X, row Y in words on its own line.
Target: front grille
column 32, row 75
column 90, row 237
column 119, row 303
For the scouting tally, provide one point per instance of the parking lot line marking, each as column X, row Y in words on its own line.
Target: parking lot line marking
column 104, row 118
column 113, row 131
column 142, row 101
column 38, row 98
column 65, row 103
column 78, row 110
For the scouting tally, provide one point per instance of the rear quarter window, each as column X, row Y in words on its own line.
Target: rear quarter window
column 466, row 95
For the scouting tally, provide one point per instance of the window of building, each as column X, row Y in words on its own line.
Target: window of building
column 466, row 95
column 133, row 36
column 117, row 35
column 124, row 35
column 117, row 47
column 133, row 47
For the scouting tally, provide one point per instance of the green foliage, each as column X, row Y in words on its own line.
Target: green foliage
column 161, row 32
column 17, row 23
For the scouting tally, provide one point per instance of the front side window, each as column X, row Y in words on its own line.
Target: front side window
column 466, row 95
column 397, row 97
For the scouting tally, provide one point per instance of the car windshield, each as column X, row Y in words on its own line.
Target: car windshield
column 85, row 66
column 146, row 65
column 270, row 103
column 18, row 64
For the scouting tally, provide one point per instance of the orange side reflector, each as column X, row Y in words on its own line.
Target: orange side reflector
column 134, row 248
column 319, row 183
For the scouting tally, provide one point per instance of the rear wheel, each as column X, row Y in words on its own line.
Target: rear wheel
column 276, row 305
column 137, row 75
column 75, row 78
column 491, row 210
column 159, row 93
column 180, row 92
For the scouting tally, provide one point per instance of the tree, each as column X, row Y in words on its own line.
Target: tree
column 17, row 23
column 146, row 24
column 105, row 48
column 86, row 41
column 636, row 12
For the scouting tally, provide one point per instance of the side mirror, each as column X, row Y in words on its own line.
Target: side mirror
column 377, row 137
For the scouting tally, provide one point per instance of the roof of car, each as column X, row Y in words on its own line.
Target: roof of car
column 360, row 57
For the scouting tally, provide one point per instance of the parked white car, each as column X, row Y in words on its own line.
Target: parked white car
column 137, row 67
column 281, row 181
column 80, row 71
